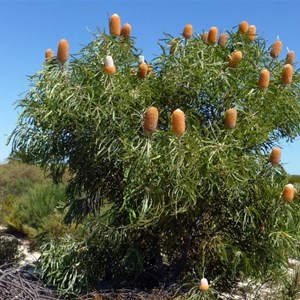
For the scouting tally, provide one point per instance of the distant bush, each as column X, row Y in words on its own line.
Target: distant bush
column 16, row 177
column 294, row 179
column 33, row 208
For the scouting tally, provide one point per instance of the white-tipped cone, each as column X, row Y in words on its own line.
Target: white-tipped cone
column 141, row 59
column 108, row 62
column 204, row 284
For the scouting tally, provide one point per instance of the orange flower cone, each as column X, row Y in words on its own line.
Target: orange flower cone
column 290, row 58
column 288, row 193
column 109, row 67
column 126, row 30
column 223, row 39
column 264, row 79
column 151, row 120
column 287, row 74
column 275, row 156
column 143, row 70
column 49, row 54
column 187, row 31
column 212, row 35
column 276, row 49
column 63, row 51
column 115, row 25
column 243, row 27
column 235, row 58
column 204, row 36
column 251, row 33
column 178, row 122
column 230, row 118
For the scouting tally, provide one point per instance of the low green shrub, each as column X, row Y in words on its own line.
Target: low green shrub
column 9, row 249
column 35, row 207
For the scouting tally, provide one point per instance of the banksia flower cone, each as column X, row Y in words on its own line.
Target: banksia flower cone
column 243, row 27
column 115, row 25
column 178, row 122
column 212, row 35
column 288, row 193
column 287, row 74
column 63, row 51
column 230, row 118
column 143, row 70
column 203, row 286
column 275, row 156
column 109, row 67
column 204, row 36
column 276, row 49
column 151, row 120
column 126, row 30
column 187, row 31
column 223, row 39
column 251, row 33
column 290, row 58
column 264, row 79
column 235, row 58
column 49, row 54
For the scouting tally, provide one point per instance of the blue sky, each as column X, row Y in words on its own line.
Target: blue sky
column 28, row 28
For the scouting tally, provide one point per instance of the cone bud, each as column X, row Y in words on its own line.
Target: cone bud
column 115, row 25
column 275, row 156
column 235, row 58
column 178, row 122
column 151, row 120
column 287, row 74
column 251, row 33
column 288, row 193
column 109, row 67
column 212, row 35
column 126, row 30
column 276, row 49
column 63, row 50
column 203, row 285
column 49, row 54
column 230, row 118
column 243, row 27
column 187, row 31
column 290, row 58
column 264, row 79
column 223, row 39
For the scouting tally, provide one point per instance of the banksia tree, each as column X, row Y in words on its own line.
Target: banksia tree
column 63, row 51
column 201, row 191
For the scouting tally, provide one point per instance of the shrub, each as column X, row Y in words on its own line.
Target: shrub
column 205, row 202
column 9, row 249
column 35, row 206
